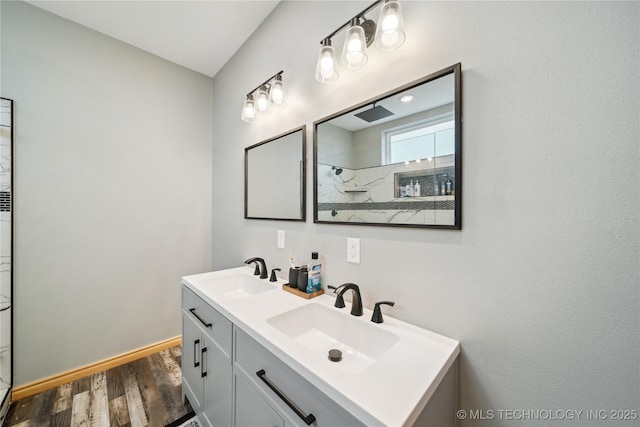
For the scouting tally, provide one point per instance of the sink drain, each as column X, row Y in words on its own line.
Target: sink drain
column 335, row 355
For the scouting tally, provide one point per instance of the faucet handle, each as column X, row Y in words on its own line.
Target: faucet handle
column 377, row 312
column 273, row 277
column 332, row 287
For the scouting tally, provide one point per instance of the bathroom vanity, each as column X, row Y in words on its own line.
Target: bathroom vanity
column 254, row 355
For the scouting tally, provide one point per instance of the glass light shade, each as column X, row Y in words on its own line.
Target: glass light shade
column 276, row 92
column 355, row 45
column 262, row 100
column 390, row 33
column 248, row 110
column 326, row 66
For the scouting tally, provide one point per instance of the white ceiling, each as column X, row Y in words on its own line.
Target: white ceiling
column 199, row 35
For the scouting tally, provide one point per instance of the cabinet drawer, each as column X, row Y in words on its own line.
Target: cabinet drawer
column 215, row 325
column 252, row 358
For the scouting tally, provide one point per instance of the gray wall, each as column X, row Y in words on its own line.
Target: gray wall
column 541, row 284
column 112, row 191
column 335, row 146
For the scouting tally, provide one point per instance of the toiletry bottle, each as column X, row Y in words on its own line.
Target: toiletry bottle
column 448, row 187
column 410, row 189
column 443, row 186
column 416, row 191
column 436, row 186
column 313, row 282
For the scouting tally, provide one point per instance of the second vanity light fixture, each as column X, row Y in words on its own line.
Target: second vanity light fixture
column 388, row 34
column 260, row 100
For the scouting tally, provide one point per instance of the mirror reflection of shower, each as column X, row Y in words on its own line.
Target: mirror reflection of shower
column 394, row 160
column 6, row 134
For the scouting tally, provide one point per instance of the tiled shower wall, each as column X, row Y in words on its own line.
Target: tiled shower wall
column 369, row 194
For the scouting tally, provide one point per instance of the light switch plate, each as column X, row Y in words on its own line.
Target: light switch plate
column 353, row 250
column 281, row 239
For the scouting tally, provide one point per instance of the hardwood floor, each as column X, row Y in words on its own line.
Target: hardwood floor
column 145, row 392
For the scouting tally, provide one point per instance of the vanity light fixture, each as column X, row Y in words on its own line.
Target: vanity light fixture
column 388, row 34
column 276, row 93
column 354, row 53
column 260, row 100
column 249, row 109
column 326, row 65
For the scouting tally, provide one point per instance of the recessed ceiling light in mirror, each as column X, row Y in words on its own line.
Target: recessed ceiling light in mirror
column 406, row 98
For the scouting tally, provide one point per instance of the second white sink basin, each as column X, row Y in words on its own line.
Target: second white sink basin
column 237, row 286
column 319, row 329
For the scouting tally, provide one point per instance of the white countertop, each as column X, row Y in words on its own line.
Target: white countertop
column 391, row 392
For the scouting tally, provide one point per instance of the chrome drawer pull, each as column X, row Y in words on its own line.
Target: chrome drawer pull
column 204, row 322
column 309, row 419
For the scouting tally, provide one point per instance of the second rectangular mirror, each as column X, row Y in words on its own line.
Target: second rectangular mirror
column 395, row 160
column 274, row 177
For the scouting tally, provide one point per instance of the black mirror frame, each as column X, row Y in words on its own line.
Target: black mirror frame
column 303, row 176
column 456, row 70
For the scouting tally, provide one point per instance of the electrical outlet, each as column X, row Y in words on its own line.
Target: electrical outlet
column 353, row 250
column 280, row 239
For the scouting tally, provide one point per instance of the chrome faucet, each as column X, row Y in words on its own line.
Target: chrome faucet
column 261, row 267
column 356, row 301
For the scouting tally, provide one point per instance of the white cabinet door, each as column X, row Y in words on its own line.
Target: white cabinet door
column 251, row 409
column 192, row 346
column 218, row 378
column 206, row 363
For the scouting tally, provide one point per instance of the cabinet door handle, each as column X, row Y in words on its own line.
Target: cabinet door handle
column 203, row 372
column 204, row 322
column 195, row 353
column 308, row 419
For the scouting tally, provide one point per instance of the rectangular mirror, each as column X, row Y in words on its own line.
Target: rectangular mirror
column 395, row 160
column 275, row 177
column 6, row 253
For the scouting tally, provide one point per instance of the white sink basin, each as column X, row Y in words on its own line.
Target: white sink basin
column 319, row 329
column 237, row 286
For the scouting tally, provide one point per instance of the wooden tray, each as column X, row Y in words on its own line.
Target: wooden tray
column 298, row 292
